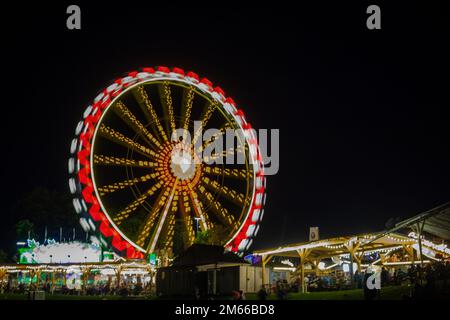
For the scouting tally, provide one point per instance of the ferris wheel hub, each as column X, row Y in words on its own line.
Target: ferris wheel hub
column 182, row 164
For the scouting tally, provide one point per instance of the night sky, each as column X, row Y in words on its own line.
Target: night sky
column 363, row 114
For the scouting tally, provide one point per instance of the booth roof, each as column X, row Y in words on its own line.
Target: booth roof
column 202, row 254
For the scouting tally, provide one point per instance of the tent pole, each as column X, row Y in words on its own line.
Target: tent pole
column 419, row 231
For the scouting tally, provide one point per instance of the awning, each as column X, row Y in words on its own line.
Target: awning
column 435, row 222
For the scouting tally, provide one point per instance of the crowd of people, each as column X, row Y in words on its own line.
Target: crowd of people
column 100, row 289
column 431, row 281
column 281, row 288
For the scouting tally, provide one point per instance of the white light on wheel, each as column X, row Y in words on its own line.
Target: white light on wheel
column 77, row 205
column 72, row 185
column 250, row 230
column 71, row 165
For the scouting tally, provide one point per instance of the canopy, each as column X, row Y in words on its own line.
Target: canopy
column 336, row 246
column 435, row 222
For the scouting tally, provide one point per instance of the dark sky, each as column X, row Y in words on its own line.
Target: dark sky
column 363, row 115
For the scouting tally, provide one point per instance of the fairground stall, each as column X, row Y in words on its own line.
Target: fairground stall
column 341, row 262
column 74, row 267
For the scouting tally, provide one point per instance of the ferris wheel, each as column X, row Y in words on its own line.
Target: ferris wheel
column 139, row 174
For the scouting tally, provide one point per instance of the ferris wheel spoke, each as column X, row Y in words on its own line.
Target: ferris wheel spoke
column 144, row 232
column 126, row 142
column 162, row 219
column 226, row 192
column 222, row 131
column 222, row 213
column 130, row 119
column 115, row 161
column 110, row 188
column 122, row 215
column 147, row 108
column 186, row 107
column 198, row 209
column 187, row 220
column 188, row 225
column 165, row 95
column 204, row 120
column 224, row 154
column 170, row 232
column 212, row 170
column 168, row 229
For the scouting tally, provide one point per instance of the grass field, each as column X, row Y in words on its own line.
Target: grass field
column 387, row 293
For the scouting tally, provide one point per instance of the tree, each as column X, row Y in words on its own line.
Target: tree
column 218, row 235
column 392, row 222
column 203, row 237
column 23, row 228
column 3, row 256
column 214, row 236
column 46, row 208
column 178, row 237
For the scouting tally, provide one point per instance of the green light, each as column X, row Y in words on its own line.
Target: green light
column 152, row 259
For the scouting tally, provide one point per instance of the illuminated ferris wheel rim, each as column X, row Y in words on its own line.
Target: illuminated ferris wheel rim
column 241, row 239
column 154, row 79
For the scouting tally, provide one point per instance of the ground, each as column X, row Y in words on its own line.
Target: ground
column 18, row 296
column 387, row 293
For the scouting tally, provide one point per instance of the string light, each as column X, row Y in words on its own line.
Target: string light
column 437, row 247
column 399, row 239
column 334, row 247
